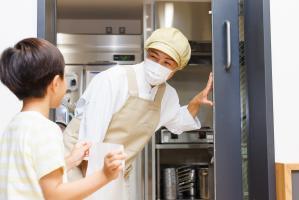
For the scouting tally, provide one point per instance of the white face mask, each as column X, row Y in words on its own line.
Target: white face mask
column 155, row 74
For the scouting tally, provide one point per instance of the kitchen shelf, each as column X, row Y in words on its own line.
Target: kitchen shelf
column 201, row 54
column 184, row 146
column 186, row 199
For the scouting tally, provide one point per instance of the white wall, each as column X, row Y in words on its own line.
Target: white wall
column 18, row 20
column 285, row 63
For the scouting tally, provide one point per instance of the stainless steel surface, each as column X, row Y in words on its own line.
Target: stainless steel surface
column 228, row 45
column 95, row 9
column 204, row 191
column 204, row 135
column 184, row 146
column 140, row 176
column 62, row 115
column 186, row 182
column 169, row 184
column 158, row 175
column 92, row 70
column 192, row 18
column 148, row 28
column 74, row 81
column 150, row 163
column 148, row 18
column 84, row 49
column 175, row 158
column 146, row 172
column 154, row 169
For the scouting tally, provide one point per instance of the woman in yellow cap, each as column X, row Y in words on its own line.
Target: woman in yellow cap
column 126, row 105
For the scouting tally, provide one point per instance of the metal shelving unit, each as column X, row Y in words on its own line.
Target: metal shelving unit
column 184, row 146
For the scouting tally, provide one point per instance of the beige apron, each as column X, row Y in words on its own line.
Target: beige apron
column 132, row 126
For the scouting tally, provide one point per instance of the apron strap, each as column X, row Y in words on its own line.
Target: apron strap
column 132, row 82
column 160, row 94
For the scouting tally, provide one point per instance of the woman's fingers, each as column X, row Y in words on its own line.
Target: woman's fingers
column 210, row 83
column 210, row 103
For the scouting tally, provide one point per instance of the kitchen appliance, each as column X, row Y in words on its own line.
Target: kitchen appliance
column 87, row 55
column 92, row 69
column 83, row 49
column 203, row 135
column 74, row 81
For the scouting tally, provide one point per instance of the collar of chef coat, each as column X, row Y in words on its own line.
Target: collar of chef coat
column 145, row 90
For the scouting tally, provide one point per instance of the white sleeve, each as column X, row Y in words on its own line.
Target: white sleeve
column 181, row 120
column 97, row 110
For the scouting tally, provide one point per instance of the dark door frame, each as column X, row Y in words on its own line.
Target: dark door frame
column 260, row 100
column 46, row 26
column 46, row 20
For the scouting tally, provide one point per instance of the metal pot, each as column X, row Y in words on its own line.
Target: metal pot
column 203, row 183
column 169, row 184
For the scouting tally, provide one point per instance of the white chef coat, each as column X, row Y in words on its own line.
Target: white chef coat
column 107, row 93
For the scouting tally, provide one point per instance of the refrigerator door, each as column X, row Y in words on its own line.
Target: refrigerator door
column 227, row 109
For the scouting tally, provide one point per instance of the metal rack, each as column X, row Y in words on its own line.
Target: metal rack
column 184, row 146
column 156, row 151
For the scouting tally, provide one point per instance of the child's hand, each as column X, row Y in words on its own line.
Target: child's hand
column 112, row 164
column 78, row 153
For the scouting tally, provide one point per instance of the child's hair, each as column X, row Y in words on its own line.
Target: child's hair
column 29, row 67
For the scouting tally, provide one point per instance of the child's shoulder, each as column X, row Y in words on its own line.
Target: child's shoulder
column 33, row 129
column 35, row 121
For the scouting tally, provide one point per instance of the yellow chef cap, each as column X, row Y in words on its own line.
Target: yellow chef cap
column 172, row 42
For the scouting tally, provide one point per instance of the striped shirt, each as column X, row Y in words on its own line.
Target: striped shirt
column 30, row 148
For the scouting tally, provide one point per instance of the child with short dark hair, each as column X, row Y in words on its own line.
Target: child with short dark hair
column 32, row 163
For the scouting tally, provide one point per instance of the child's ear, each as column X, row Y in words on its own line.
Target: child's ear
column 55, row 84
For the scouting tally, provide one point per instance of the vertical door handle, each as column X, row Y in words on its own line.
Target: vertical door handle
column 228, row 46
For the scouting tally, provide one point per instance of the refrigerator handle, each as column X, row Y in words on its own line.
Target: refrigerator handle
column 228, row 45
